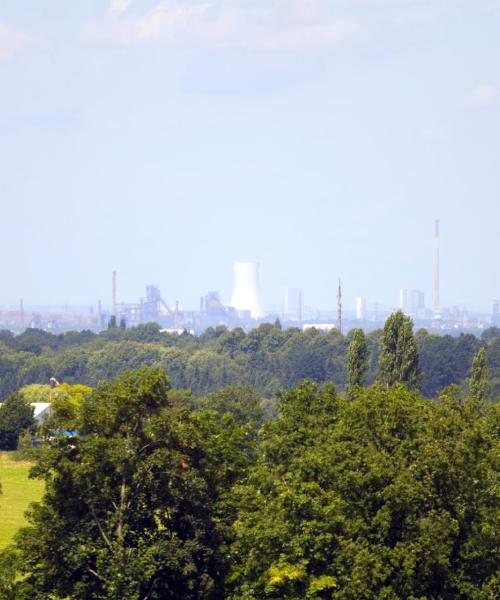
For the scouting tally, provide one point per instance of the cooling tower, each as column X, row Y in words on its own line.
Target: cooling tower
column 246, row 289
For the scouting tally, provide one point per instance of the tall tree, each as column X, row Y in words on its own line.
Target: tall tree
column 16, row 416
column 130, row 509
column 357, row 361
column 478, row 382
column 399, row 359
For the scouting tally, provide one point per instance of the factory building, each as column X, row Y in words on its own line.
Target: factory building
column 412, row 302
column 293, row 304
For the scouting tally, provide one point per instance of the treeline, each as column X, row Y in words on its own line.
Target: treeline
column 268, row 358
column 380, row 494
column 375, row 493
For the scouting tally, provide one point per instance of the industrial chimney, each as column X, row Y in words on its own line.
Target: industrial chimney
column 246, row 289
column 436, row 303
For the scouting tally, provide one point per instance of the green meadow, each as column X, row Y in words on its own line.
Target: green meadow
column 17, row 491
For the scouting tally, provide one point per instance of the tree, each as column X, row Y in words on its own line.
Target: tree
column 35, row 340
column 399, row 361
column 487, row 335
column 112, row 322
column 478, row 382
column 493, row 352
column 123, row 323
column 16, row 416
column 241, row 402
column 131, row 503
column 357, row 361
column 382, row 497
column 66, row 403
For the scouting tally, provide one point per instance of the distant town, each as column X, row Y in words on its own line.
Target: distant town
column 244, row 310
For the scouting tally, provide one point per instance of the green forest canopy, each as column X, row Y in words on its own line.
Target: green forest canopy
column 383, row 495
column 267, row 358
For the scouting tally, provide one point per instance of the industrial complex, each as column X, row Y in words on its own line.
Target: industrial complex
column 245, row 310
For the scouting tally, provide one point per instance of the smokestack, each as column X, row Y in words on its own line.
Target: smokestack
column 21, row 308
column 114, row 293
column 246, row 289
column 436, row 303
column 339, row 307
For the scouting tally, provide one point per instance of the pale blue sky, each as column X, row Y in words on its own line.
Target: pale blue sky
column 166, row 139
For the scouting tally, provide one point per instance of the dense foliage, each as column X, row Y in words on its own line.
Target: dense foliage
column 357, row 361
column 399, row 362
column 385, row 496
column 380, row 495
column 156, row 492
column 16, row 416
column 267, row 358
column 134, row 503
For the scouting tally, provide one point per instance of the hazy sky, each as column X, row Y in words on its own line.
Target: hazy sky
column 166, row 139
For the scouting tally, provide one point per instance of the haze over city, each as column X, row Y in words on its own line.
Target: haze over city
column 165, row 140
column 250, row 299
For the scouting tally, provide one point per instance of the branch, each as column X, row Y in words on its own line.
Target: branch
column 150, row 589
column 122, row 508
column 98, row 576
column 103, row 533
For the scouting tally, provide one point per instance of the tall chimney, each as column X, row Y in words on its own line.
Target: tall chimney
column 436, row 303
column 114, row 293
column 339, row 307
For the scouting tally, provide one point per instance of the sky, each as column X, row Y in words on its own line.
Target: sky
column 165, row 139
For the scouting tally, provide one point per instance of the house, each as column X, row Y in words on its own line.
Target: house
column 41, row 411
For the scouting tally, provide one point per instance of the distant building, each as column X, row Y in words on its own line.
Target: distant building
column 178, row 331
column 41, row 411
column 212, row 304
column 292, row 308
column 495, row 316
column 412, row 302
column 319, row 326
column 360, row 308
column 246, row 296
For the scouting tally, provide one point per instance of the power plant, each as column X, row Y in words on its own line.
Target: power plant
column 245, row 309
column 436, row 302
column 245, row 298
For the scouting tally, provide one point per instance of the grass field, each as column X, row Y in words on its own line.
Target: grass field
column 17, row 492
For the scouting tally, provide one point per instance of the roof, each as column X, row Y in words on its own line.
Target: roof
column 39, row 408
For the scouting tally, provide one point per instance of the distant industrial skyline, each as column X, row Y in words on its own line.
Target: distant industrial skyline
column 247, row 295
column 165, row 140
column 246, row 298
